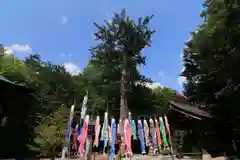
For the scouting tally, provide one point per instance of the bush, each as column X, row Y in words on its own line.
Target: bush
column 51, row 132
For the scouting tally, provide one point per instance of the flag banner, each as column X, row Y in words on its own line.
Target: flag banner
column 69, row 127
column 83, row 113
column 84, row 107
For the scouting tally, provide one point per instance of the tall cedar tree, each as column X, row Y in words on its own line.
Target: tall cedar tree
column 121, row 43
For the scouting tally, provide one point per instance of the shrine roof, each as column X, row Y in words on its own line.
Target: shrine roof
column 11, row 83
column 189, row 110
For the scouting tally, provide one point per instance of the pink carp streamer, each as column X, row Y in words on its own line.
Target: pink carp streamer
column 109, row 133
column 82, row 138
column 159, row 139
column 127, row 136
column 146, row 131
column 97, row 131
column 75, row 135
column 167, row 126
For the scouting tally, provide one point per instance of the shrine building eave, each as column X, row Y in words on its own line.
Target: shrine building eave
column 189, row 110
column 5, row 82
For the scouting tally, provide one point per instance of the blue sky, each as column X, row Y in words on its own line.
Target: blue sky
column 61, row 30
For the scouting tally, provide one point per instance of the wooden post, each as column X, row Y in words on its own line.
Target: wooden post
column 119, row 145
column 171, row 147
column 151, row 152
column 90, row 135
column 122, row 147
column 89, row 155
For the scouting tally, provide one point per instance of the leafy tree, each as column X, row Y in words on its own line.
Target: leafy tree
column 52, row 85
column 2, row 48
column 14, row 69
column 161, row 98
column 52, row 130
column 119, row 52
column 98, row 89
column 211, row 61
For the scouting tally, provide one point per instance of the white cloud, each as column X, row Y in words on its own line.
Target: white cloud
column 64, row 20
column 65, row 55
column 181, row 80
column 183, row 69
column 161, row 74
column 189, row 39
column 153, row 85
column 181, row 54
column 18, row 48
column 62, row 55
column 72, row 68
column 8, row 51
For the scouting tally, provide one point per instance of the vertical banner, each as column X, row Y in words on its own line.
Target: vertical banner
column 97, row 131
column 83, row 113
column 114, row 138
column 104, row 132
column 141, row 136
column 84, row 107
column 167, row 126
column 69, row 127
column 163, row 132
column 169, row 134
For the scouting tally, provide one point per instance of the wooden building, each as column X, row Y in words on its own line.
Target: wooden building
column 14, row 128
column 188, row 123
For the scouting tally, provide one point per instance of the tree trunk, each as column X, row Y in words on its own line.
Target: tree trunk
column 123, row 92
column 123, row 100
column 53, row 154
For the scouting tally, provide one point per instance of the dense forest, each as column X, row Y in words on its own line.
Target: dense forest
column 113, row 81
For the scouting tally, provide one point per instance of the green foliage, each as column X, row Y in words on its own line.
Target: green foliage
column 116, row 57
column 161, row 97
column 53, row 86
column 121, row 42
column 52, row 130
column 121, row 36
column 212, row 63
column 13, row 68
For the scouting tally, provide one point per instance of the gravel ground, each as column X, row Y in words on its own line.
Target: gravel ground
column 137, row 157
